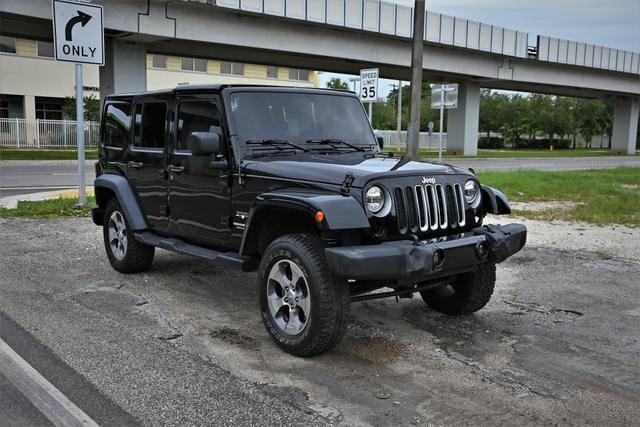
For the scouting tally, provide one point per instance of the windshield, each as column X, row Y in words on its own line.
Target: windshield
column 302, row 119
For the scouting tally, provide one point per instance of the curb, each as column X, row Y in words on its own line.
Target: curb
column 11, row 202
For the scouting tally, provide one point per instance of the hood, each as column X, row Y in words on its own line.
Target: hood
column 333, row 168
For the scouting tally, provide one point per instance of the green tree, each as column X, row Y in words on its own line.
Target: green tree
column 91, row 108
column 336, row 83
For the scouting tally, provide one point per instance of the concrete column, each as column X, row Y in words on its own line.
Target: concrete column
column 125, row 68
column 625, row 126
column 30, row 115
column 463, row 122
column 30, row 107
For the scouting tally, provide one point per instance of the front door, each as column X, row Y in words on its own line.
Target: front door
column 146, row 161
column 199, row 196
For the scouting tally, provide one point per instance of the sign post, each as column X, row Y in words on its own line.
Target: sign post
column 369, row 88
column 443, row 96
column 78, row 37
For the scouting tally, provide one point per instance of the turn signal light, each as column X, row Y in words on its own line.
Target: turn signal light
column 319, row 216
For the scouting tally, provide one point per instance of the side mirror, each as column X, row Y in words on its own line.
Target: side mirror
column 380, row 140
column 204, row 143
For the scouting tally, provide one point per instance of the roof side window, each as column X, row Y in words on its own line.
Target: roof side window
column 117, row 122
column 196, row 116
column 150, row 125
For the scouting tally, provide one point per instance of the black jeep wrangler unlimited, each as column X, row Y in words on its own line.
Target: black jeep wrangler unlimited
column 292, row 183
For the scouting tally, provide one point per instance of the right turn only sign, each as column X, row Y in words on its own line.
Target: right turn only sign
column 78, row 32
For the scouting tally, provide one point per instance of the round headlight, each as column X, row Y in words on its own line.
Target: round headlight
column 472, row 193
column 374, row 199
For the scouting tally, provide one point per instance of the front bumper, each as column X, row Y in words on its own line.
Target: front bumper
column 406, row 260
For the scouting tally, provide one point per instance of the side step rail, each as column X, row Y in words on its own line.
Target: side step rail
column 231, row 259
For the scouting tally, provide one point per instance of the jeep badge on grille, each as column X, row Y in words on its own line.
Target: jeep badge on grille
column 426, row 180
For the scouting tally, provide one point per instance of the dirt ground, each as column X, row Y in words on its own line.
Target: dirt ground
column 558, row 343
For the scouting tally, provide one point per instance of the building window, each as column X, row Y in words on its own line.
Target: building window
column 158, row 61
column 7, row 44
column 272, row 72
column 297, row 74
column 194, row 64
column 49, row 109
column 234, row 68
column 45, row 49
column 11, row 107
column 4, row 109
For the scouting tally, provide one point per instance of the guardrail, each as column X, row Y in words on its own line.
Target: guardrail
column 37, row 133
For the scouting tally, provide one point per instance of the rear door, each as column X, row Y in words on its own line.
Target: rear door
column 147, row 160
column 199, row 196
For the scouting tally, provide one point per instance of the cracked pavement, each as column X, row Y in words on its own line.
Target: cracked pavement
column 184, row 343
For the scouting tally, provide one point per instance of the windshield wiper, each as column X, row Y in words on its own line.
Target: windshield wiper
column 276, row 143
column 332, row 142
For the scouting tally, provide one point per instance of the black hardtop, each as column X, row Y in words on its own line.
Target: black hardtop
column 219, row 87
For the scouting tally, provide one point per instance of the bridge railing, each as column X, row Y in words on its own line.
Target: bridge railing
column 391, row 19
column 587, row 55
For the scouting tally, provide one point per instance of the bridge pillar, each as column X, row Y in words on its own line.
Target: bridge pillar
column 463, row 122
column 125, row 68
column 625, row 126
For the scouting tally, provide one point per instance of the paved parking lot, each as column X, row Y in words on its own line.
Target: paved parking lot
column 184, row 344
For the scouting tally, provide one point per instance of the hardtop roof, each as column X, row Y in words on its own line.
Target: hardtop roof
column 219, row 87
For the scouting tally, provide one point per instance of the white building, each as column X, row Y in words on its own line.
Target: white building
column 34, row 86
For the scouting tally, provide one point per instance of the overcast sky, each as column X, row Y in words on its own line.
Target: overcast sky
column 610, row 23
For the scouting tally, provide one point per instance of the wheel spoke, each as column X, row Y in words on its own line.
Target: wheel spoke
column 302, row 303
column 288, row 296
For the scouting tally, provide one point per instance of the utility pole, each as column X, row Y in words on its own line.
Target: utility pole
column 413, row 130
column 399, row 128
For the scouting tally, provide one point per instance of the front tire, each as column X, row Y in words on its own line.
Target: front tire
column 302, row 306
column 471, row 292
column 125, row 253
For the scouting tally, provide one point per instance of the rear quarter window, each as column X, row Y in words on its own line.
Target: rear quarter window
column 117, row 122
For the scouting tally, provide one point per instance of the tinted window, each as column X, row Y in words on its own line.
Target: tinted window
column 159, row 61
column 45, row 49
column 232, row 68
column 117, row 122
column 272, row 72
column 196, row 116
column 7, row 44
column 150, row 125
column 298, row 117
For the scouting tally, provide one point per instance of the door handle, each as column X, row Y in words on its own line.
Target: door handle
column 135, row 165
column 175, row 169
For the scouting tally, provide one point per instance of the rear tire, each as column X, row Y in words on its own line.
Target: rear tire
column 125, row 253
column 472, row 292
column 302, row 306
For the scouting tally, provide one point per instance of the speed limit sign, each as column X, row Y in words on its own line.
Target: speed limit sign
column 369, row 85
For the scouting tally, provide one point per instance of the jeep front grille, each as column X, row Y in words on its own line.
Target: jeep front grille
column 429, row 207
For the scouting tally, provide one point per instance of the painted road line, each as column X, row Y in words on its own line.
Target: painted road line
column 49, row 400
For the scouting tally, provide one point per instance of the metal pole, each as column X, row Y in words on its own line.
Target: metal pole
column 82, row 197
column 413, row 130
column 371, row 113
column 399, row 129
column 441, row 123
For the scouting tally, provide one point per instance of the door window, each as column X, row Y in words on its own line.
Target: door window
column 150, row 125
column 196, row 116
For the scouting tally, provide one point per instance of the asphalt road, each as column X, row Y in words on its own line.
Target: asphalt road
column 183, row 344
column 24, row 177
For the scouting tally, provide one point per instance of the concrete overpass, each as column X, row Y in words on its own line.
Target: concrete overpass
column 347, row 35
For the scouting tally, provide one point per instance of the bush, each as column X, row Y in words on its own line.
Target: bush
column 558, row 144
column 490, row 142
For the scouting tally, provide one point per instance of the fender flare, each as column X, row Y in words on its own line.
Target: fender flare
column 494, row 201
column 121, row 187
column 340, row 212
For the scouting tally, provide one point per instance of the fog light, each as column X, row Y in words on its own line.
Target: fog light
column 438, row 258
